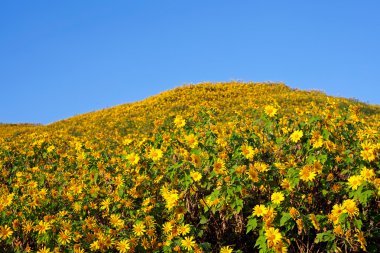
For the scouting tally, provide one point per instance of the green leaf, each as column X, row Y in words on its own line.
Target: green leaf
column 230, row 191
column 358, row 224
column 215, row 194
column 343, row 217
column 310, row 159
column 261, row 242
column 206, row 246
column 325, row 237
column 203, row 220
column 322, row 158
column 187, row 180
column 279, row 140
column 325, row 134
column 196, row 151
column 167, row 249
column 293, row 175
column 238, row 204
column 285, row 217
column 120, row 192
column 313, row 119
column 364, row 196
column 251, row 225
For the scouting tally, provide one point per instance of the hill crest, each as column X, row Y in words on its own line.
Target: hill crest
column 227, row 97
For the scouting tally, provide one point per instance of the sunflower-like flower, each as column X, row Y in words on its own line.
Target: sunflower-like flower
column 273, row 236
column 188, row 242
column 277, row 197
column 270, row 110
column 260, row 210
column 296, row 135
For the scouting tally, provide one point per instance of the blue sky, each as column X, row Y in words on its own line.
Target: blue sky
column 62, row 58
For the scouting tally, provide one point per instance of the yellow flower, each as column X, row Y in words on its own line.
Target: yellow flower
column 191, row 140
column 77, row 206
column 350, row 206
column 300, row 225
column 318, row 143
column 116, row 221
column 94, row 246
column 248, row 151
column 171, row 197
column 316, row 139
column 167, row 228
column 270, row 215
column 307, row 174
column 226, row 249
column 367, row 174
column 355, row 181
column 222, row 142
column 277, row 197
column 195, row 175
column 361, row 240
column 133, row 158
column 270, row 110
column 296, row 135
column 27, row 226
column 188, row 243
column 64, row 237
column 338, row 230
column 336, row 188
column 273, row 236
column 139, row 228
column 105, row 204
column 184, row 229
column 44, row 250
column 220, row 167
column 149, row 220
column 179, row 121
column 5, row 232
column 50, row 149
column 314, row 221
column 280, row 166
column 293, row 212
column 123, row 246
column 368, row 154
column 196, row 160
column 285, row 184
column 253, row 173
column 155, row 154
column 260, row 210
column 8, row 200
column 261, row 167
column 78, row 249
column 42, row 227
column 127, row 141
column 336, row 212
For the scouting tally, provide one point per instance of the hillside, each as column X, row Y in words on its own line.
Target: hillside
column 138, row 118
column 14, row 129
column 221, row 167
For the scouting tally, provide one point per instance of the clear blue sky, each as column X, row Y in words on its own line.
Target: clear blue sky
column 62, row 58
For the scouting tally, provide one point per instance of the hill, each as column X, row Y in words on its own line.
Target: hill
column 14, row 129
column 207, row 167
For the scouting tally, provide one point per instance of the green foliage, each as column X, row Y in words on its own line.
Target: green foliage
column 204, row 168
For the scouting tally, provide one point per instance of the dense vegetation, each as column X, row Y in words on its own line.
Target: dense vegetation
column 232, row 167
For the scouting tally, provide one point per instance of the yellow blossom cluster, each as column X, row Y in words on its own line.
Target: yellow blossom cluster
column 227, row 167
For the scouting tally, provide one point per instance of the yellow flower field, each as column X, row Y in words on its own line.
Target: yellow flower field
column 226, row 167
